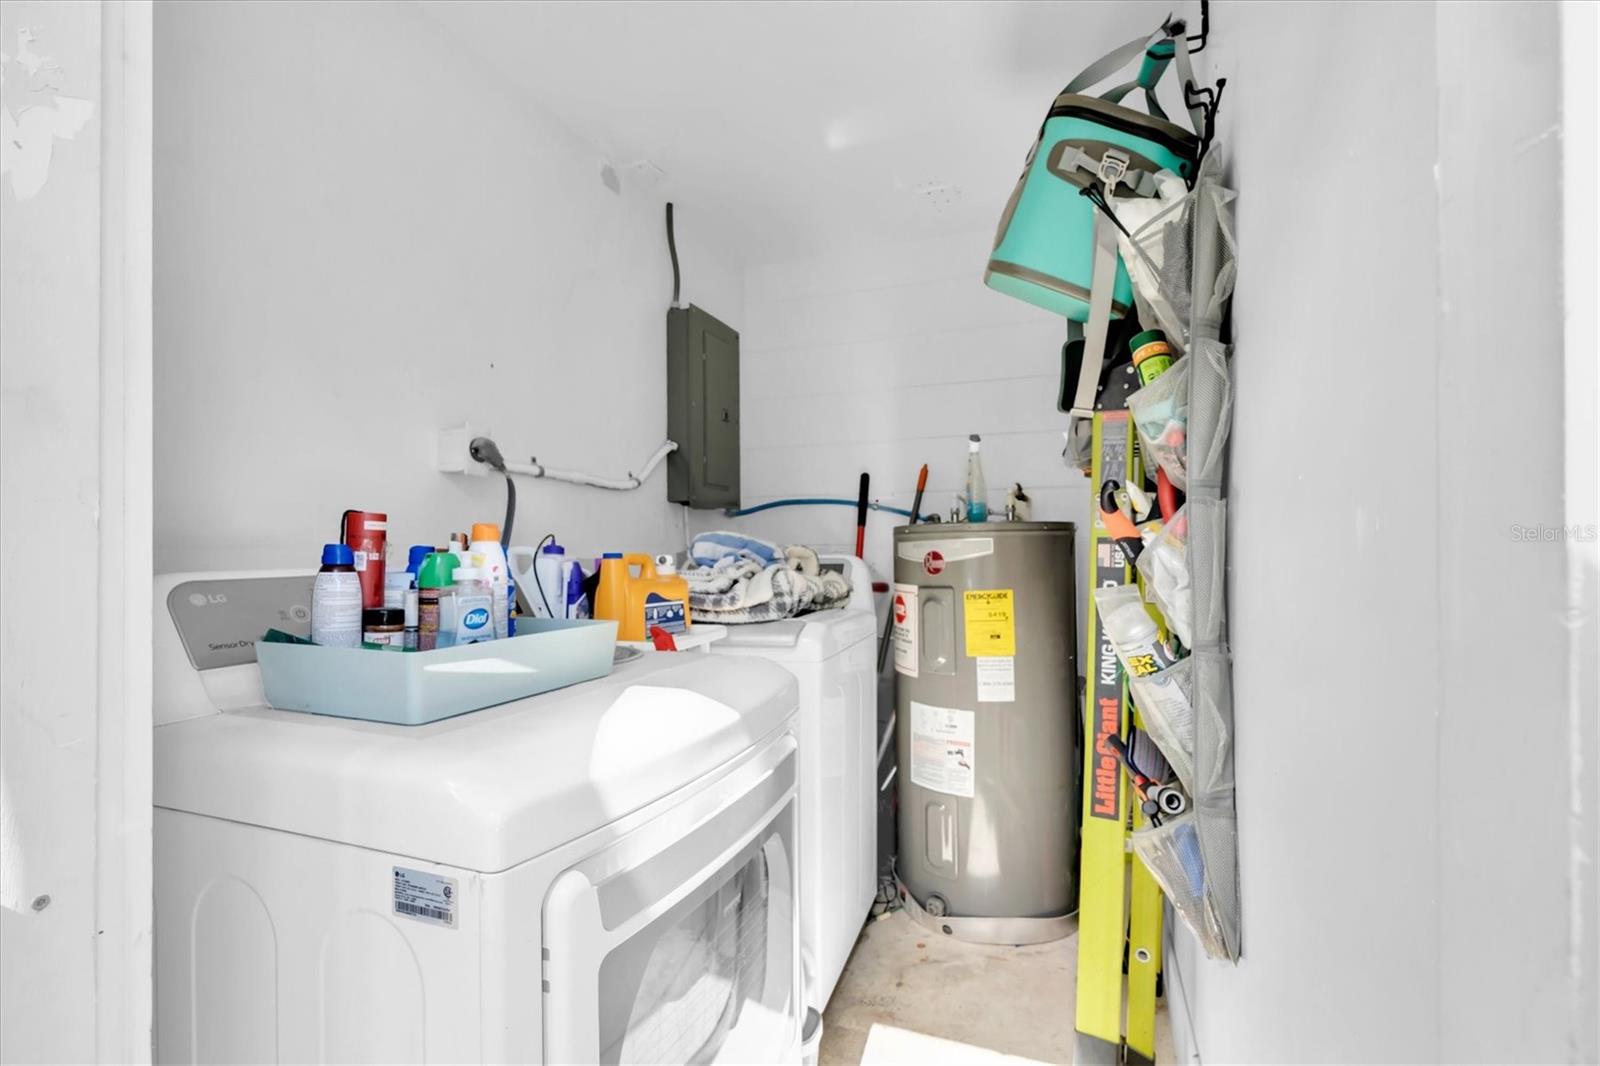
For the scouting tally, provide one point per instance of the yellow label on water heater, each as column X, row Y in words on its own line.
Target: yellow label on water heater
column 991, row 622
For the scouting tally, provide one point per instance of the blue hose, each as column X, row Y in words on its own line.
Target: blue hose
column 742, row 511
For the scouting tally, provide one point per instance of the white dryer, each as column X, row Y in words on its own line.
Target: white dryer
column 832, row 654
column 606, row 873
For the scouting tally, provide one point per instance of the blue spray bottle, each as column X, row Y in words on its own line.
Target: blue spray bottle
column 977, row 487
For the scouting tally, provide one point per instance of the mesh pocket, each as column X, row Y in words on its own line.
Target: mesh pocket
column 1213, row 794
column 1219, row 847
column 1215, row 302
column 1209, row 397
column 1211, row 694
column 1166, row 710
column 1155, row 249
column 1160, row 412
column 1172, row 854
column 1207, row 537
column 1164, row 566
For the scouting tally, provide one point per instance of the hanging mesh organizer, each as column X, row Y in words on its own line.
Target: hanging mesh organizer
column 1187, row 252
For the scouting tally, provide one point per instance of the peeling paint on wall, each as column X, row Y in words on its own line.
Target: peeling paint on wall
column 34, row 115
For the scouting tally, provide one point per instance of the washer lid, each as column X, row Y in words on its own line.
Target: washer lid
column 810, row 637
column 486, row 790
column 782, row 634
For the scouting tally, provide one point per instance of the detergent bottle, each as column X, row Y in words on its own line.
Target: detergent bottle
column 639, row 602
column 577, row 602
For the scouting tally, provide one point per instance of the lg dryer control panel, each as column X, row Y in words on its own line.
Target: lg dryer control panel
column 220, row 620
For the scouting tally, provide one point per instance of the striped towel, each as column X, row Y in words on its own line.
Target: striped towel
column 739, row 587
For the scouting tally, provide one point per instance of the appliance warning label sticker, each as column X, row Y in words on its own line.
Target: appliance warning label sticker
column 991, row 622
column 903, row 609
column 425, row 897
column 943, row 755
column 997, row 678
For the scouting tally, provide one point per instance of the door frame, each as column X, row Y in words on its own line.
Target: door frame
column 124, row 869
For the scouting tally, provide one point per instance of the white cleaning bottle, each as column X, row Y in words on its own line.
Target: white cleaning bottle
column 977, row 487
column 486, row 555
column 549, row 592
column 1133, row 632
column 336, row 599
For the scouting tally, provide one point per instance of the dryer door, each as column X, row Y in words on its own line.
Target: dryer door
column 679, row 943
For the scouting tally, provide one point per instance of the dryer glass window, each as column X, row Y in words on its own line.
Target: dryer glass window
column 710, row 980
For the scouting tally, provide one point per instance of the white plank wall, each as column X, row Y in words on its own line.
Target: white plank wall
column 880, row 360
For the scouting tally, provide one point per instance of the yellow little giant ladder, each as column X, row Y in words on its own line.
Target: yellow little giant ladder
column 1119, row 910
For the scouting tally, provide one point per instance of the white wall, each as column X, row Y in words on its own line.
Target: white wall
column 75, row 916
column 1415, row 789
column 882, row 359
column 363, row 235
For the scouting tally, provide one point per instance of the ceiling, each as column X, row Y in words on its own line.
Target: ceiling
column 804, row 126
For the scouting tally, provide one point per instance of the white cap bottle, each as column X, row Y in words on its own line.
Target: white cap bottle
column 486, row 554
column 1135, row 635
column 336, row 599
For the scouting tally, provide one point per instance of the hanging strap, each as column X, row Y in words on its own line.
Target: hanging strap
column 1104, row 278
column 1153, row 65
column 1115, row 96
column 1113, row 61
column 1099, row 325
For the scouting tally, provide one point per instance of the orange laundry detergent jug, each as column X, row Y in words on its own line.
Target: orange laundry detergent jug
column 638, row 599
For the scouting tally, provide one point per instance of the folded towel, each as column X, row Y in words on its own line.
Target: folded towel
column 709, row 548
column 738, row 586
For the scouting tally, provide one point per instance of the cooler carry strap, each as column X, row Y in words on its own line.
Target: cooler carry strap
column 1157, row 51
column 1113, row 61
column 1099, row 324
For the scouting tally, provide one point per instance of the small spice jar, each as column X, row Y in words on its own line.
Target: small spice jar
column 383, row 626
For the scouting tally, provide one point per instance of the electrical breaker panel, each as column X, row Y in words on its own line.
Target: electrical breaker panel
column 702, row 409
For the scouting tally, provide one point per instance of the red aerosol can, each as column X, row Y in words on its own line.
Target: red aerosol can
column 367, row 532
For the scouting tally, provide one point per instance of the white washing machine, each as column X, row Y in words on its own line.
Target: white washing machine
column 833, row 654
column 606, row 873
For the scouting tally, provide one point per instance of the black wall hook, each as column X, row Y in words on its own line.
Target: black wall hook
column 1198, row 43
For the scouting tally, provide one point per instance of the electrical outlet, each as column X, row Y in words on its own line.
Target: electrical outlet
column 452, row 454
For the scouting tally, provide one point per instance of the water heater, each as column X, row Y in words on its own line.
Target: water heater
column 985, row 650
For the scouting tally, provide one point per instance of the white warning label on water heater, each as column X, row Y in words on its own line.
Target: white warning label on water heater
column 425, row 897
column 944, row 756
column 997, row 678
column 903, row 609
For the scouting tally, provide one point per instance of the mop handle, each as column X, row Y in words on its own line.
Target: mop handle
column 861, row 518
